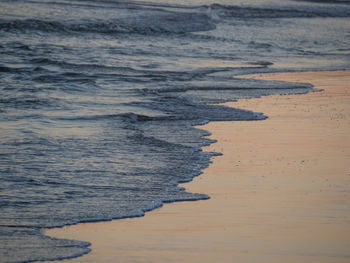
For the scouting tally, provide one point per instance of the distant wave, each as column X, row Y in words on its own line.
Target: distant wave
column 175, row 23
column 343, row 2
column 227, row 11
column 201, row 18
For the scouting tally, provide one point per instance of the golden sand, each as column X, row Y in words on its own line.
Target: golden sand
column 280, row 192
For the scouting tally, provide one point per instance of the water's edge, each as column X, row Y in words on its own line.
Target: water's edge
column 196, row 126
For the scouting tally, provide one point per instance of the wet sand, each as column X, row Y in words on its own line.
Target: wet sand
column 280, row 192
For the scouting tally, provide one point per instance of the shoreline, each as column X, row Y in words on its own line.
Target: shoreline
column 279, row 193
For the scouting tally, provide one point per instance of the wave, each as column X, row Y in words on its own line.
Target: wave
column 129, row 117
column 231, row 84
column 343, row 2
column 30, row 102
column 170, row 20
column 175, row 23
column 227, row 11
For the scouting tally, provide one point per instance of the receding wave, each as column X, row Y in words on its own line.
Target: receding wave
column 130, row 117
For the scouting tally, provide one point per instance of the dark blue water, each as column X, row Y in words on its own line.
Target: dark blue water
column 99, row 99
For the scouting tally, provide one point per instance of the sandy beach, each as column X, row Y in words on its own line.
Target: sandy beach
column 279, row 193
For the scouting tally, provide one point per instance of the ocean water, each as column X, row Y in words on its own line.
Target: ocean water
column 99, row 100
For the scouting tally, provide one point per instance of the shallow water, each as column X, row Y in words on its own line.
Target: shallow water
column 99, row 98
